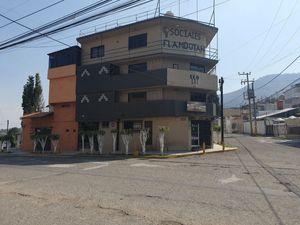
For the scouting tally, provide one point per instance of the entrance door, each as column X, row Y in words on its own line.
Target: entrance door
column 200, row 133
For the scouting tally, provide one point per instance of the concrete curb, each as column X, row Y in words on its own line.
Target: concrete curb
column 153, row 156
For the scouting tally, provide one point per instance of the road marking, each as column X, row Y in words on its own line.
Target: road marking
column 144, row 165
column 102, row 164
column 61, row 165
column 231, row 179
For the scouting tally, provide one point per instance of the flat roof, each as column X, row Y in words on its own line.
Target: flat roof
column 75, row 47
column 37, row 115
column 166, row 18
column 278, row 112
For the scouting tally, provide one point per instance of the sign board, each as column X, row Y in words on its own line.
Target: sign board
column 196, row 106
column 180, row 38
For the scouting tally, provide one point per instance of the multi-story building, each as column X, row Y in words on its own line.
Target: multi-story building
column 153, row 73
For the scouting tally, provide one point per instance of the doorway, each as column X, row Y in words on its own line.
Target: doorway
column 200, row 133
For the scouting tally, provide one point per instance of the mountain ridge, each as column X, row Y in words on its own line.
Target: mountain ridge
column 236, row 99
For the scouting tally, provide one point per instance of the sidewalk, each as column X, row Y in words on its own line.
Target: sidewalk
column 150, row 154
column 216, row 149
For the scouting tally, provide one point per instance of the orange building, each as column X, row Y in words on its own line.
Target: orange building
column 61, row 118
column 154, row 73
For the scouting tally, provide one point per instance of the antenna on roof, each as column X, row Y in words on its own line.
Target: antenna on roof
column 157, row 8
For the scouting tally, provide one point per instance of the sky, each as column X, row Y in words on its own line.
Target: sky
column 254, row 36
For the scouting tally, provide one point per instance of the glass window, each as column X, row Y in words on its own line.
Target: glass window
column 198, row 97
column 197, row 67
column 133, row 125
column 137, row 41
column 137, row 97
column 97, row 52
column 140, row 67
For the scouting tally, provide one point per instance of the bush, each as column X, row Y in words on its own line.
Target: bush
column 164, row 129
column 216, row 128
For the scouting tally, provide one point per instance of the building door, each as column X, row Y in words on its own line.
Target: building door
column 200, row 133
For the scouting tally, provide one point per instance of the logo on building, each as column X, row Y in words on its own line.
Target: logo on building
column 103, row 70
column 85, row 73
column 85, row 99
column 194, row 79
column 103, row 98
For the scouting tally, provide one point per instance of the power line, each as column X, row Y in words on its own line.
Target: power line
column 267, row 34
column 119, row 8
column 289, row 65
column 35, row 12
column 264, row 85
column 22, row 25
column 277, row 36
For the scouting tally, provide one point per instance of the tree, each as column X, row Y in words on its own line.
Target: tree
column 38, row 99
column 12, row 135
column 32, row 98
column 27, row 97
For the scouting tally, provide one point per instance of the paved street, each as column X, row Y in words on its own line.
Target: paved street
column 257, row 184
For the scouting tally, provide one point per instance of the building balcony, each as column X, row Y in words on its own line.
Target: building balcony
column 90, row 79
column 94, row 111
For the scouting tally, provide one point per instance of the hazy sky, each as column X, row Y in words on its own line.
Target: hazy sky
column 254, row 35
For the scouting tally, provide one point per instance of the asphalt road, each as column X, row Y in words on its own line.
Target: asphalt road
column 257, row 184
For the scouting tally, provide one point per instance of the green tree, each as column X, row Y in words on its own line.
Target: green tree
column 38, row 94
column 32, row 98
column 27, row 97
column 12, row 135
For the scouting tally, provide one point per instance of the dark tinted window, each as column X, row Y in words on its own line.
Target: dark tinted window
column 198, row 97
column 65, row 57
column 137, row 97
column 97, row 52
column 140, row 67
column 137, row 41
column 133, row 125
column 197, row 67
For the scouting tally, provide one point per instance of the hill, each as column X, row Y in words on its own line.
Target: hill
column 235, row 98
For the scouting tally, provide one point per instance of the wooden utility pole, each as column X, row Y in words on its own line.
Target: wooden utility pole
column 254, row 110
column 248, row 96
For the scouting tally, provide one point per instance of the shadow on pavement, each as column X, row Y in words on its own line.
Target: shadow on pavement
column 290, row 143
column 39, row 159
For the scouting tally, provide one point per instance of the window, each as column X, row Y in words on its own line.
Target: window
column 133, row 125
column 105, row 124
column 198, row 97
column 137, row 97
column 140, row 67
column 197, row 67
column 137, row 41
column 97, row 52
column 176, row 66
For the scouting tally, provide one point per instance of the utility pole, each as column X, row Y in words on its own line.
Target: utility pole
column 248, row 96
column 221, row 82
column 254, row 110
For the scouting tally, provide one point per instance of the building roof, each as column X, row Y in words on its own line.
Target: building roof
column 278, row 113
column 37, row 115
column 159, row 18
